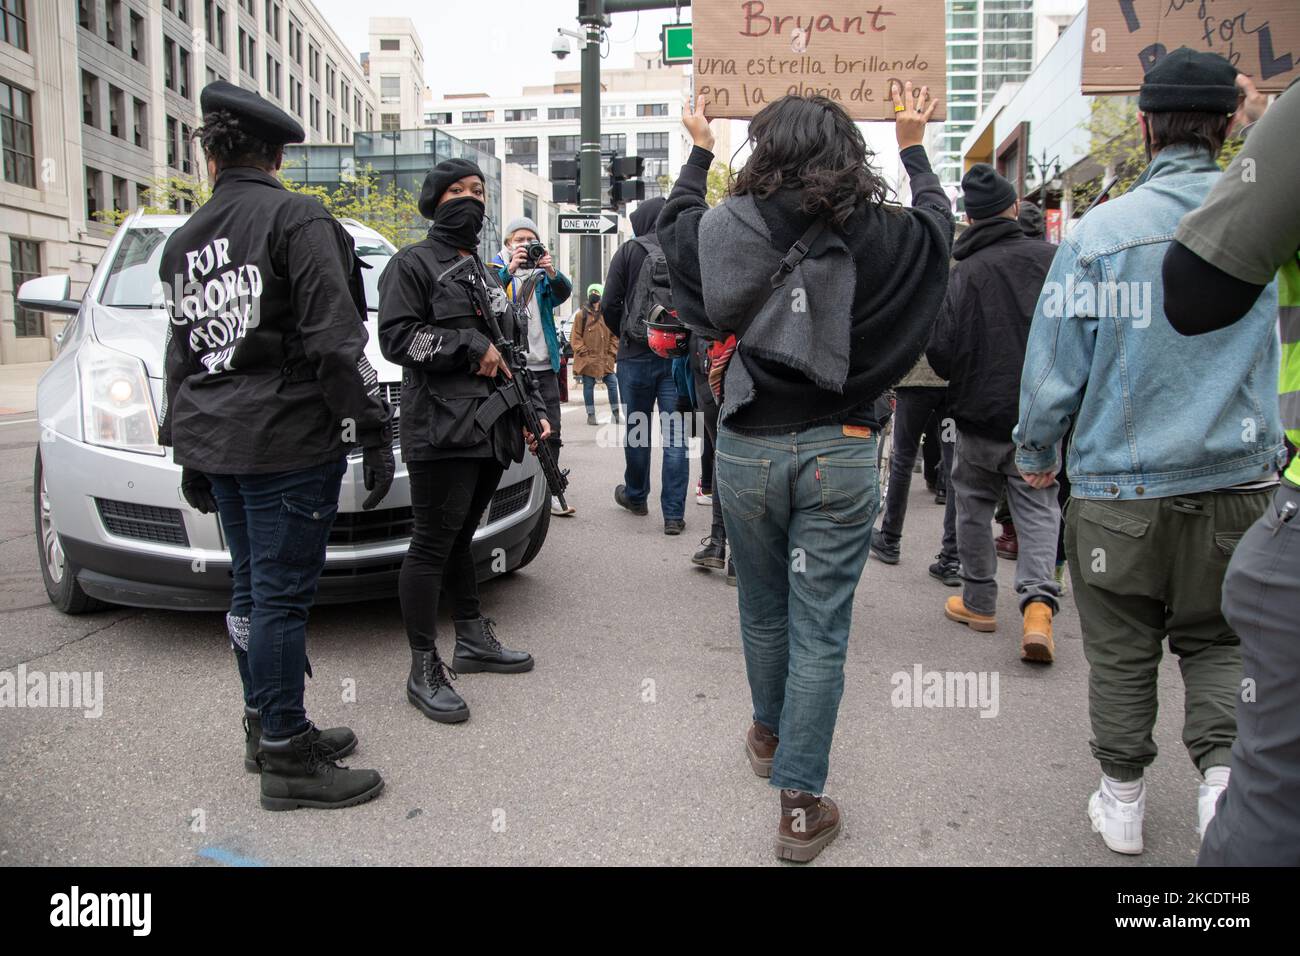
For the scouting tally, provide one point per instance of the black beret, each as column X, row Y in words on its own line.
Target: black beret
column 442, row 176
column 987, row 193
column 1189, row 81
column 257, row 117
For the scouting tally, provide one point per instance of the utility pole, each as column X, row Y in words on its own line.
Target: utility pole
column 593, row 16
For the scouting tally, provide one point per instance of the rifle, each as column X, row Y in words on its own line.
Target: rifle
column 518, row 389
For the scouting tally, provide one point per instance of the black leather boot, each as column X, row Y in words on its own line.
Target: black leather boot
column 712, row 555
column 477, row 649
column 298, row 772
column 340, row 740
column 429, row 689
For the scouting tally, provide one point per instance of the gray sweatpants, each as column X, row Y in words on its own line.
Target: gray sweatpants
column 1258, row 820
column 980, row 469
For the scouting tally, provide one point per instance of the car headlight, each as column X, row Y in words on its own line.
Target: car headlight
column 116, row 403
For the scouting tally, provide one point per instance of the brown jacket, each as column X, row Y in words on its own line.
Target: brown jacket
column 594, row 347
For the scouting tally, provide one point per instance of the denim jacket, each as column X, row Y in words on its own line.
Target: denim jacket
column 1156, row 413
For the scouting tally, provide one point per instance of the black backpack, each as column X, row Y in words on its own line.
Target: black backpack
column 651, row 289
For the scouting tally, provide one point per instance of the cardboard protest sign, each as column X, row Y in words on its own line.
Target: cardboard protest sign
column 749, row 53
column 1128, row 37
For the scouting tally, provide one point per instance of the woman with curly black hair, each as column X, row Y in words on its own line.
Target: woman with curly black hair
column 832, row 293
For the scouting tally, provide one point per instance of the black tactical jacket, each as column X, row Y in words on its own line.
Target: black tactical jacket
column 265, row 361
column 438, row 335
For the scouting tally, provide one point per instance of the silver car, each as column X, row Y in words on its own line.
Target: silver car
column 111, row 525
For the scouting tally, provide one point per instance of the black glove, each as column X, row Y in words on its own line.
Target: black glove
column 197, row 491
column 377, row 469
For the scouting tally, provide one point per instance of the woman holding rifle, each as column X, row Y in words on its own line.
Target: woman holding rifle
column 454, row 460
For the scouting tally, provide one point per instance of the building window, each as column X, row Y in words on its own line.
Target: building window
column 113, row 22
column 313, row 63
column 214, row 23
column 93, row 184
column 13, row 23
column 89, row 99
column 390, row 89
column 171, row 142
column 356, row 112
column 25, row 260
column 295, row 41
column 370, row 118
column 121, row 195
column 520, row 116
column 614, row 142
column 137, row 37
column 390, row 45
column 183, row 10
column 84, row 20
column 330, row 128
column 184, row 71
column 345, row 135
column 295, row 96
column 19, row 143
column 273, row 20
column 530, row 206
column 331, row 73
column 613, row 110
column 652, row 109
column 187, row 149
column 488, row 146
column 140, row 116
column 563, row 113
column 522, row 150
column 169, row 63
column 314, row 105
column 562, row 147
column 653, row 148
column 390, row 122
column 438, row 119
column 478, row 116
column 273, row 80
column 116, row 111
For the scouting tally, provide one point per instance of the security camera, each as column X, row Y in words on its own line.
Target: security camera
column 560, row 46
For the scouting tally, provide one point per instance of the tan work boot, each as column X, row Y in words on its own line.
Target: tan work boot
column 1036, row 645
column 760, row 747
column 955, row 610
column 808, row 824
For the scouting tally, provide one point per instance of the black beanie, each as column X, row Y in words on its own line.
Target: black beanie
column 440, row 178
column 987, row 193
column 1031, row 220
column 1189, row 81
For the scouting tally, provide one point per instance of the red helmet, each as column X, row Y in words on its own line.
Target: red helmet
column 665, row 335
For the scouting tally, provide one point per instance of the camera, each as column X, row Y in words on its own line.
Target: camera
column 535, row 251
column 560, row 47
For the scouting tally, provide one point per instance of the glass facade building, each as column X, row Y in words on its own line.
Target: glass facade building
column 400, row 158
column 989, row 42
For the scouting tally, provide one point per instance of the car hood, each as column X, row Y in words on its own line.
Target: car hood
column 141, row 332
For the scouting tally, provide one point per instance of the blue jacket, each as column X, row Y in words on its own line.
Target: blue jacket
column 1156, row 414
column 549, row 293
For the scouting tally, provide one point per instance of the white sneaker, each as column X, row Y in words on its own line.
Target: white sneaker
column 560, row 511
column 1119, row 823
column 1207, row 802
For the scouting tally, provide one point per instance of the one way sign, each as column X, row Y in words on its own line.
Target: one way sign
column 589, row 225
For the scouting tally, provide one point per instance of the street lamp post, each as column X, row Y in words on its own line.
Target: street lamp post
column 1043, row 165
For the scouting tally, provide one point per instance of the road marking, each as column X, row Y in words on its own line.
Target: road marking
column 227, row 858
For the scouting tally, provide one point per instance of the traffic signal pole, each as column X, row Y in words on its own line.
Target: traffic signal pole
column 592, row 15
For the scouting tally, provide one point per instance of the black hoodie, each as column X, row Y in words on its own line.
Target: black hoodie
column 979, row 341
column 623, row 270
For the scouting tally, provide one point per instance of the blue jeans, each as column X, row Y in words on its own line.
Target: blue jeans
column 589, row 391
column 645, row 380
column 276, row 527
column 798, row 509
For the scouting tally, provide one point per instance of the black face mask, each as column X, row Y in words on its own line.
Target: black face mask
column 458, row 223
column 593, row 301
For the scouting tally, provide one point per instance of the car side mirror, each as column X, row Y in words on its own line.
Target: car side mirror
column 49, row 294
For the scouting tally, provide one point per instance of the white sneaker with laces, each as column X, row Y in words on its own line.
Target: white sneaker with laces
column 1207, row 802
column 702, row 497
column 1119, row 823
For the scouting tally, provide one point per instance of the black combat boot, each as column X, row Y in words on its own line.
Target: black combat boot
column 429, row 689
column 298, row 772
column 341, row 741
column 477, row 649
column 712, row 555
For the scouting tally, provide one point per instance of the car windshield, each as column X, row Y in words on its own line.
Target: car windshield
column 134, row 273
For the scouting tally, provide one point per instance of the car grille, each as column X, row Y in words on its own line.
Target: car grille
column 391, row 524
column 509, row 500
column 143, row 522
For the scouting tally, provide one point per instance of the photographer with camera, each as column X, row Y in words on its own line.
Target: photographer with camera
column 525, row 269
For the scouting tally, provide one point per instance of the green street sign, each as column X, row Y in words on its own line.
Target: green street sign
column 677, row 43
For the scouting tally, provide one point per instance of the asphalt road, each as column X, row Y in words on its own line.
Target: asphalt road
column 581, row 761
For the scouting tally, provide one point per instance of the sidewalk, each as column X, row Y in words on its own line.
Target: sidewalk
column 18, row 386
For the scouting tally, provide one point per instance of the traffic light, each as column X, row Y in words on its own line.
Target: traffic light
column 565, row 174
column 625, row 183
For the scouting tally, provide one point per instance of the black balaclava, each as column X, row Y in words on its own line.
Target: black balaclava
column 458, row 221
